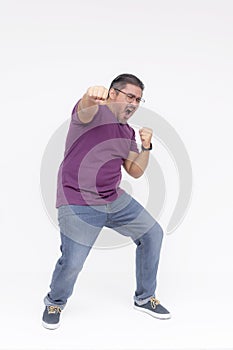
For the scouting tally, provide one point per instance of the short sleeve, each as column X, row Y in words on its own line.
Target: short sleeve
column 133, row 146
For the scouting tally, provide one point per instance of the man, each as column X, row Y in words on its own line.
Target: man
column 98, row 143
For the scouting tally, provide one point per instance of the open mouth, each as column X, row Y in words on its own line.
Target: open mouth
column 129, row 111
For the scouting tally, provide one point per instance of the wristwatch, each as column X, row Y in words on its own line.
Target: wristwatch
column 147, row 149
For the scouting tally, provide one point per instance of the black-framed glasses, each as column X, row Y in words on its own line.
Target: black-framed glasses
column 130, row 97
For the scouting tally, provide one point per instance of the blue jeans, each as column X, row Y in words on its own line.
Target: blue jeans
column 80, row 227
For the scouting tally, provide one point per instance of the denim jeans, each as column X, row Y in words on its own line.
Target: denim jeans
column 80, row 227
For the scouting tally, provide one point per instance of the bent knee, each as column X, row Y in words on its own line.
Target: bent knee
column 155, row 234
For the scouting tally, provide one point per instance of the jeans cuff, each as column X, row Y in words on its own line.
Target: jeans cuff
column 142, row 301
column 47, row 302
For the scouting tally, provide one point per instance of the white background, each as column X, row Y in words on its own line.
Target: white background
column 51, row 51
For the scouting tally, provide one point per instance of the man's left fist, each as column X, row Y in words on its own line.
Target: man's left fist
column 146, row 135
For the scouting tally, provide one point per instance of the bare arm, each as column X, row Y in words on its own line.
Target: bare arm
column 136, row 164
column 89, row 104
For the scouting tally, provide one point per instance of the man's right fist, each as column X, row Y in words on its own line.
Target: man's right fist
column 97, row 94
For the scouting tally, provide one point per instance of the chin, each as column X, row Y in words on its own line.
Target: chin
column 122, row 121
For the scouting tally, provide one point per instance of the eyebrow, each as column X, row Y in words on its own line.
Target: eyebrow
column 129, row 93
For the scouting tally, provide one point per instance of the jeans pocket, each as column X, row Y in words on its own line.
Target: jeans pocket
column 63, row 211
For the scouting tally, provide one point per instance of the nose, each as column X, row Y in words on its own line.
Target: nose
column 134, row 102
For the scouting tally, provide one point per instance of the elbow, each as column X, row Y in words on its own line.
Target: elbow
column 135, row 171
column 137, row 174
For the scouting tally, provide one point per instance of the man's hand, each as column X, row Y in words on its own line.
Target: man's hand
column 97, row 94
column 89, row 104
column 146, row 135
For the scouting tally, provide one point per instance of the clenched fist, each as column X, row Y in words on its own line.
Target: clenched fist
column 98, row 94
column 89, row 104
column 146, row 135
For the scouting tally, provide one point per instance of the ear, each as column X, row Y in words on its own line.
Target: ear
column 112, row 94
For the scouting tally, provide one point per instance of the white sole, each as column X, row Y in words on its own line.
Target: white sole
column 50, row 326
column 153, row 313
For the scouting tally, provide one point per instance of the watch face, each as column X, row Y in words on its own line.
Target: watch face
column 147, row 149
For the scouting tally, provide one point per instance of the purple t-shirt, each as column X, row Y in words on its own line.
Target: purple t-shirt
column 90, row 172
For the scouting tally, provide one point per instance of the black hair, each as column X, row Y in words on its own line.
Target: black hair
column 121, row 80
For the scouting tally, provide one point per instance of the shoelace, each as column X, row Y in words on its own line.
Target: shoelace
column 154, row 302
column 54, row 309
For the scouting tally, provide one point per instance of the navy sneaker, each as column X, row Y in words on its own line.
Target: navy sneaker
column 51, row 317
column 154, row 308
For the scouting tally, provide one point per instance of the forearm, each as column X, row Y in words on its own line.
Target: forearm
column 87, row 102
column 86, row 109
column 139, row 164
